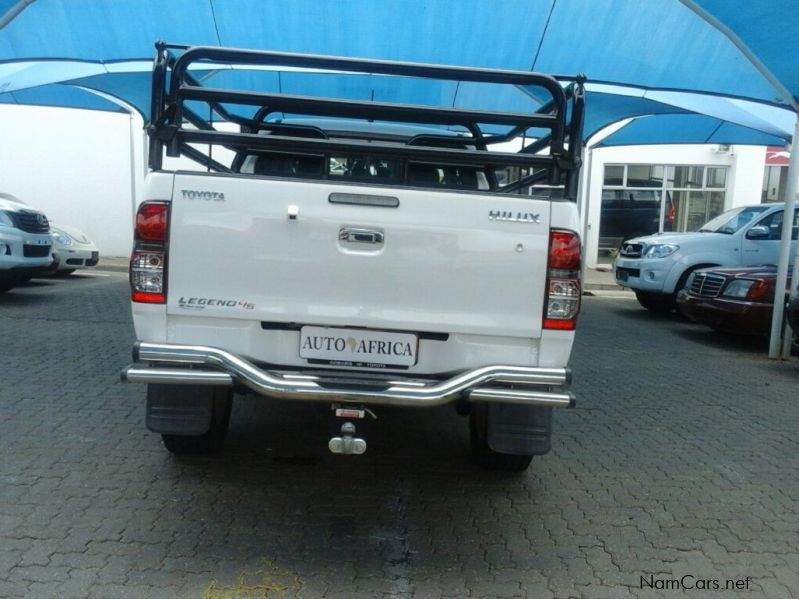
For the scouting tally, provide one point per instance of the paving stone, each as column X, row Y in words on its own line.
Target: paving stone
column 650, row 474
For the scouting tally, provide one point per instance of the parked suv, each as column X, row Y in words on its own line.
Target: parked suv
column 26, row 247
column 657, row 267
column 627, row 214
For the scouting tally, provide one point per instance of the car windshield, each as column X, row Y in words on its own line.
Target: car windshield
column 731, row 221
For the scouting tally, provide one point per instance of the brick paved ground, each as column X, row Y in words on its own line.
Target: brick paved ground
column 681, row 459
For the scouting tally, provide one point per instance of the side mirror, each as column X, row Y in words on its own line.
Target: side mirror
column 758, row 232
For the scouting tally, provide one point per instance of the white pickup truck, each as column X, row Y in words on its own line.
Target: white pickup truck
column 657, row 266
column 356, row 258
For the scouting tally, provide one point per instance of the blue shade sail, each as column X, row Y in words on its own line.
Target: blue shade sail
column 768, row 29
column 673, row 59
column 686, row 129
column 63, row 96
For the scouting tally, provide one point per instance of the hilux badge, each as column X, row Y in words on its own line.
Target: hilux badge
column 514, row 217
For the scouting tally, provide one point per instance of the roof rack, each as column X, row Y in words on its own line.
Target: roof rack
column 174, row 86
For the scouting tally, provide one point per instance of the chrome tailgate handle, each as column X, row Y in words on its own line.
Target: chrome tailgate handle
column 355, row 235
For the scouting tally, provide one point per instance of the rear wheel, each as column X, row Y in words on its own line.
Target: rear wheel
column 211, row 441
column 481, row 450
column 655, row 302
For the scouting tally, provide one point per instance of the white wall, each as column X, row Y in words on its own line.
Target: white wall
column 74, row 165
column 745, row 176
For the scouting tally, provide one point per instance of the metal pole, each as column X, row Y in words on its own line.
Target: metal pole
column 585, row 198
column 132, row 150
column 775, row 341
column 14, row 12
column 788, row 334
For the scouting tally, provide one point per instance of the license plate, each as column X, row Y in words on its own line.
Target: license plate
column 358, row 347
column 622, row 275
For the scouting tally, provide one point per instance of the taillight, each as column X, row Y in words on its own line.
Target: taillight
column 562, row 302
column 151, row 222
column 149, row 257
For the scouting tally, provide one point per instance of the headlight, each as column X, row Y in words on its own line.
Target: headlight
column 738, row 288
column 61, row 237
column 660, row 250
column 5, row 220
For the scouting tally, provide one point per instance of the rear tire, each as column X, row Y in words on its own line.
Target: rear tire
column 482, row 452
column 211, row 441
column 655, row 302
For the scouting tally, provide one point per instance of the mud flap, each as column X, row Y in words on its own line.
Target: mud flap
column 520, row 430
column 179, row 409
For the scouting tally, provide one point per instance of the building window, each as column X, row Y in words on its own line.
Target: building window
column 614, row 175
column 642, row 199
column 717, row 177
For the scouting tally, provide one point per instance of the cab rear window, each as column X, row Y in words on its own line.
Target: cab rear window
column 365, row 169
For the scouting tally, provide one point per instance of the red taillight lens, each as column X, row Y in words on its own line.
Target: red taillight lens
column 152, row 220
column 148, row 260
column 564, row 250
column 562, row 302
column 142, row 297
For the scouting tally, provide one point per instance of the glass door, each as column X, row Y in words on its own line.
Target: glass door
column 695, row 211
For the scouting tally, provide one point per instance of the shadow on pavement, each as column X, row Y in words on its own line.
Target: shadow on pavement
column 725, row 341
column 13, row 297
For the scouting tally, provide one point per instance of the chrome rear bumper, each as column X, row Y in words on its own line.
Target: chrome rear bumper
column 201, row 365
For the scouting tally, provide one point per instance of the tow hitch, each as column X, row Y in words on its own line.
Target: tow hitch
column 348, row 430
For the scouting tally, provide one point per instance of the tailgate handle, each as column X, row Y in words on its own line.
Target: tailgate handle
column 353, row 235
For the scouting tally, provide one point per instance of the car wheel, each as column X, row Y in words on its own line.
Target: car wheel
column 6, row 285
column 683, row 280
column 482, row 452
column 655, row 302
column 64, row 273
column 211, row 441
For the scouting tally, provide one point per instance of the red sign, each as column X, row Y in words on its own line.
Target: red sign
column 777, row 156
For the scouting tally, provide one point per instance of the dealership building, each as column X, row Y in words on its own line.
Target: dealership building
column 636, row 190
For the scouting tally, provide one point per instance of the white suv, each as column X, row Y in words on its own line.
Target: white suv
column 657, row 266
column 26, row 246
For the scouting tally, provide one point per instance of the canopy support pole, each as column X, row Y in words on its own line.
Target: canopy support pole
column 775, row 340
column 14, row 11
column 133, row 176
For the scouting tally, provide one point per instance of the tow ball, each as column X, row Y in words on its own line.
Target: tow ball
column 348, row 430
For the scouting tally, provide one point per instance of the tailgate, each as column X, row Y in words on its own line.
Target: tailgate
column 433, row 262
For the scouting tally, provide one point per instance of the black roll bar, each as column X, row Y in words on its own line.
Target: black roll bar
column 174, row 86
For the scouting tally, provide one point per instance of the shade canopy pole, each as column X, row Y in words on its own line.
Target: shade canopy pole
column 14, row 11
column 775, row 340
